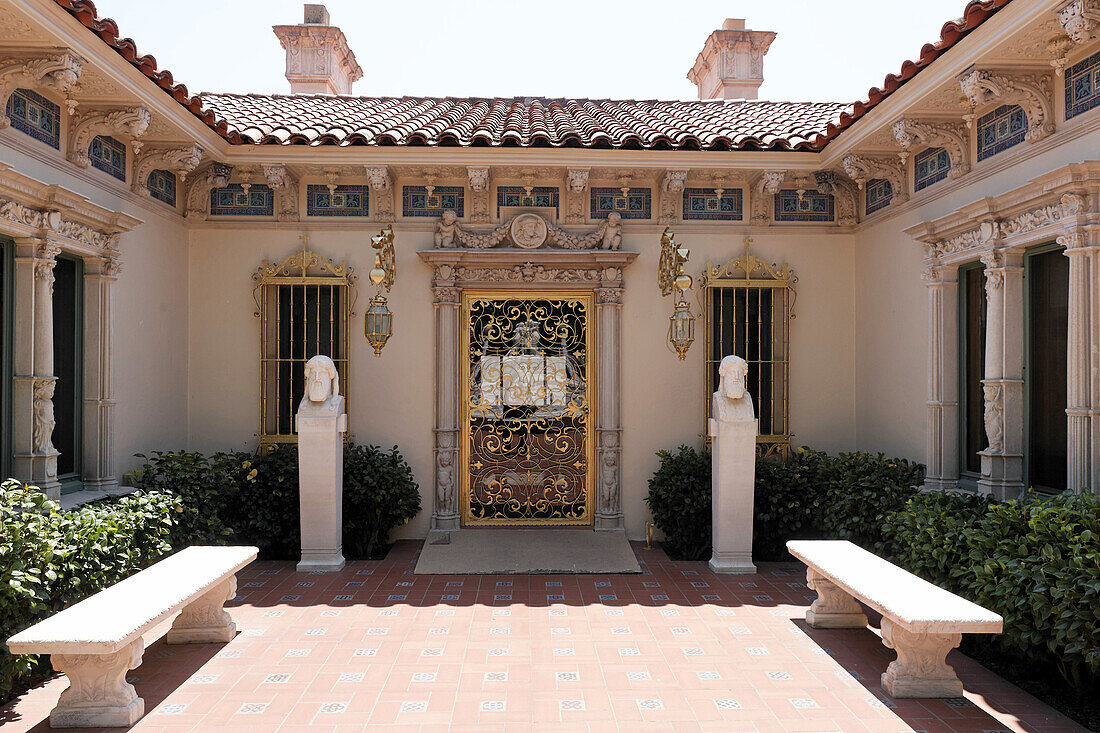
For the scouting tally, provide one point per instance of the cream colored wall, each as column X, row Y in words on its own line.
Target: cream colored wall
column 391, row 396
column 149, row 308
column 891, row 329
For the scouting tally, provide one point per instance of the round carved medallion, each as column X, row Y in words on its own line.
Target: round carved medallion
column 528, row 231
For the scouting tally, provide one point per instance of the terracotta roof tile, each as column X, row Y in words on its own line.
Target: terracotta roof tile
column 527, row 122
column 539, row 122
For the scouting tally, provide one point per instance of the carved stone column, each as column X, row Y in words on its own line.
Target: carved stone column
column 446, row 302
column 1082, row 363
column 100, row 273
column 943, row 377
column 1003, row 386
column 609, row 305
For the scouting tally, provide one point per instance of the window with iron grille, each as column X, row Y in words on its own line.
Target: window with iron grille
column 748, row 307
column 304, row 305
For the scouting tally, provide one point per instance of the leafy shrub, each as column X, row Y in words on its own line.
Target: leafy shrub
column 51, row 558
column 679, row 500
column 253, row 500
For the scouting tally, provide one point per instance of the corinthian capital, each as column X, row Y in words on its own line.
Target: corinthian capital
column 952, row 137
column 1032, row 92
column 128, row 121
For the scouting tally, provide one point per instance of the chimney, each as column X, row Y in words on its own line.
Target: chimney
column 318, row 59
column 731, row 64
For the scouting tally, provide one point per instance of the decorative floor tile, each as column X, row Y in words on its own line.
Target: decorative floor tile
column 343, row 598
column 439, row 630
column 620, row 630
column 803, row 703
column 660, row 597
column 502, row 612
column 500, row 630
column 779, row 676
column 431, row 652
column 276, row 678
column 304, row 584
column 424, row 677
column 289, row 598
column 609, row 597
column 557, row 612
column 231, row 653
column 727, row 703
column 712, row 598
column 693, row 651
column 757, row 651
column 669, row 612
column 297, row 652
column 273, row 614
column 332, row 707
column 613, row 612
column 553, row 584
column 570, row 704
column 414, row 706
column 555, row 597
column 708, row 675
column 173, row 709
column 651, row 584
column 354, row 584
column 351, row 677
column 388, row 612
column 638, row 676
column 498, row 652
column 252, row 708
column 450, row 597
column 567, row 676
column 502, row 597
column 629, row 652
column 316, row 632
column 396, row 598
column 602, row 584
column 378, row 630
column 255, row 584
column 563, row 652
column 366, row 652
column 493, row 706
column 496, row 676
column 454, row 583
column 680, row 630
column 445, row 612
column 651, row 704
column 204, row 679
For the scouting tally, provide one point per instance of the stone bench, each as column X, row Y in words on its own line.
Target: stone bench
column 96, row 641
column 920, row 621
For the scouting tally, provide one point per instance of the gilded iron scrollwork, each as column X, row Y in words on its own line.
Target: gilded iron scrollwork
column 527, row 439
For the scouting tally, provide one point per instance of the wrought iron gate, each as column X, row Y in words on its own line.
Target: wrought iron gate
column 527, row 397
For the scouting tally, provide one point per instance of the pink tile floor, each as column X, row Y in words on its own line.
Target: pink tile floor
column 674, row 649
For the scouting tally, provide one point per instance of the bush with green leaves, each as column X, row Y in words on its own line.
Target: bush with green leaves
column 379, row 495
column 679, row 500
column 51, row 558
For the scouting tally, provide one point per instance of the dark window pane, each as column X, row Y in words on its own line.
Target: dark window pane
column 973, row 284
column 1048, row 299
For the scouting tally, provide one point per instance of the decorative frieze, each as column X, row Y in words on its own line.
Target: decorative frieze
column 58, row 71
column 128, row 121
column 911, row 133
column 672, row 188
column 179, row 160
column 1080, row 19
column 1031, row 92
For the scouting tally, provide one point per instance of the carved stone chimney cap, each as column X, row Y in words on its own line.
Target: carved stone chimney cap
column 731, row 64
column 318, row 58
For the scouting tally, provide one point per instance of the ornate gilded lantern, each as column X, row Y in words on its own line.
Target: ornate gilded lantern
column 671, row 278
column 378, row 320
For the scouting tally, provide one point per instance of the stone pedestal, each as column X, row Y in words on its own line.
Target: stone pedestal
column 98, row 695
column 321, row 488
column 733, row 432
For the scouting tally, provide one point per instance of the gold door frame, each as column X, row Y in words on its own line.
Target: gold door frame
column 587, row 297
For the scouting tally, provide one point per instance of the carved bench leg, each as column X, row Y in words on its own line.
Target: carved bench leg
column 98, row 695
column 921, row 669
column 204, row 620
column 833, row 609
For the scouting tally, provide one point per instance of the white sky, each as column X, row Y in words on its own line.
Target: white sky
column 827, row 50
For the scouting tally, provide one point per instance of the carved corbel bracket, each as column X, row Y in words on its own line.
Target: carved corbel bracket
column 478, row 178
column 1031, row 92
column 179, row 160
column 763, row 192
column 861, row 168
column 381, row 186
column 58, row 71
column 129, row 121
column 285, row 186
column 672, row 189
column 576, row 180
column 1079, row 19
column 845, row 198
column 952, row 137
column 198, row 193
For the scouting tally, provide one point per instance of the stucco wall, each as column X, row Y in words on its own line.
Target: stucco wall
column 392, row 395
column 149, row 307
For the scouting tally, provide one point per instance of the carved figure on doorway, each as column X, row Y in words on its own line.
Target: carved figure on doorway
column 44, row 422
column 322, row 389
column 732, row 401
column 444, row 479
column 610, row 480
column 445, row 230
column 613, row 233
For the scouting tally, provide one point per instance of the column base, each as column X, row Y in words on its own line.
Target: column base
column 732, row 563
column 446, row 523
column 608, row 522
column 323, row 562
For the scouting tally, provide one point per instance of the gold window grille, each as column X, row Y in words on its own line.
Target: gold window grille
column 748, row 305
column 304, row 305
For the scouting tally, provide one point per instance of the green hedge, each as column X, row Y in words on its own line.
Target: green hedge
column 1035, row 561
column 246, row 499
column 51, row 558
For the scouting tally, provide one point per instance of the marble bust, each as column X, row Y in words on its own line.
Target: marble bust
column 732, row 401
column 322, row 396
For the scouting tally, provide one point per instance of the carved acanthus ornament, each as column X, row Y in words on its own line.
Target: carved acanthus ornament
column 527, row 230
column 863, row 168
column 180, row 160
column 576, row 180
column 1069, row 205
column 918, row 134
column 828, row 182
column 763, row 191
column 285, row 186
column 1031, row 92
column 381, row 186
column 1080, row 19
column 129, row 121
column 57, row 71
column 216, row 175
column 478, row 179
column 672, row 189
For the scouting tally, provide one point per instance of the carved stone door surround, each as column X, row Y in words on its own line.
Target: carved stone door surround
column 540, row 268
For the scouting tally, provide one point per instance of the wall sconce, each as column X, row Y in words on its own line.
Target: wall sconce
column 378, row 320
column 671, row 278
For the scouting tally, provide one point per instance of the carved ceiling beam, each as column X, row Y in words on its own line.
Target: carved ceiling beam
column 58, row 71
column 285, row 185
column 829, row 182
column 216, row 175
column 179, row 160
column 126, row 121
column 763, row 192
column 381, row 187
column 1080, row 19
column 952, row 137
column 1032, row 92
column 862, row 168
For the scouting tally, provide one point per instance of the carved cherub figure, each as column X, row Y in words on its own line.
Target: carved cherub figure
column 613, row 234
column 732, row 401
column 322, row 389
column 445, row 230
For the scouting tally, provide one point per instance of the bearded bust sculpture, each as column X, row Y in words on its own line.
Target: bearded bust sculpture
column 322, row 396
column 732, row 401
